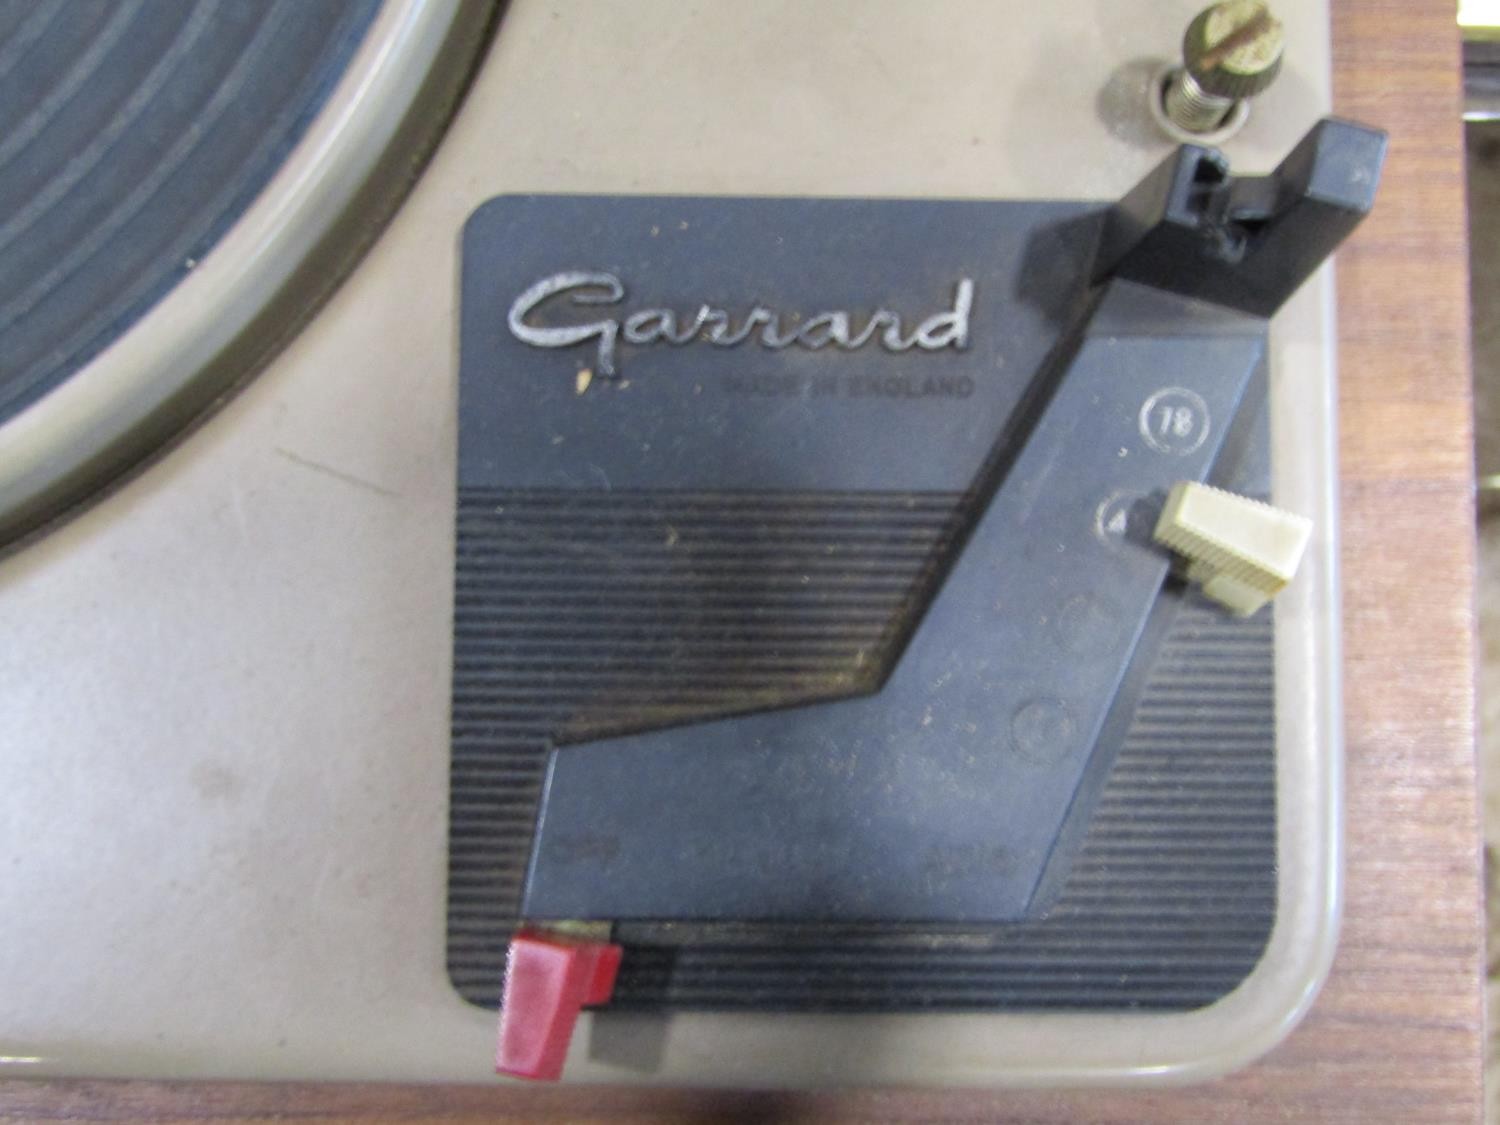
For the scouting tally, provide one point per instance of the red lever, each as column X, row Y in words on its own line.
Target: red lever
column 548, row 980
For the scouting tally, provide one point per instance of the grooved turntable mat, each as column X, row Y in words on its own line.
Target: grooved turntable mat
column 132, row 136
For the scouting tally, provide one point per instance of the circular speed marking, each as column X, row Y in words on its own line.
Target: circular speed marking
column 1175, row 421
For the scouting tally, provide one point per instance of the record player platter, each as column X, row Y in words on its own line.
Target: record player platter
column 177, row 195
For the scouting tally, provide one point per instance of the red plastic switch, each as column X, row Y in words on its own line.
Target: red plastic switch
column 549, row 978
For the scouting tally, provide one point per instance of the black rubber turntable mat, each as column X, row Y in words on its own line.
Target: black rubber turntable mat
column 133, row 133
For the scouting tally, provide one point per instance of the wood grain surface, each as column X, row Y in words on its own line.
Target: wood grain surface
column 1396, row 1035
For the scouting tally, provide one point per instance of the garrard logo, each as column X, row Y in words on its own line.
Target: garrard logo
column 535, row 315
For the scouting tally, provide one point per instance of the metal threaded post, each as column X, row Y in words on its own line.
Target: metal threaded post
column 1230, row 53
column 1190, row 107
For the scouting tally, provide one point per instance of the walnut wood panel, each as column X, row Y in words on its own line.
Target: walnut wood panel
column 1396, row 1034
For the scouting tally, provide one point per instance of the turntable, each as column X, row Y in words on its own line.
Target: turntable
column 754, row 516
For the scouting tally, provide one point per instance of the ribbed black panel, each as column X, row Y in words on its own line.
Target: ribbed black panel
column 581, row 611
column 579, row 608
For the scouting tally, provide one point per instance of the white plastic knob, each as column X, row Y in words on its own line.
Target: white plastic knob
column 1242, row 552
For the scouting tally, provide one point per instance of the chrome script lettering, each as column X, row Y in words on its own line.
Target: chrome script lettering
column 717, row 327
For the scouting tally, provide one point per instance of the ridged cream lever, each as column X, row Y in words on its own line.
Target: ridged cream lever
column 1240, row 551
